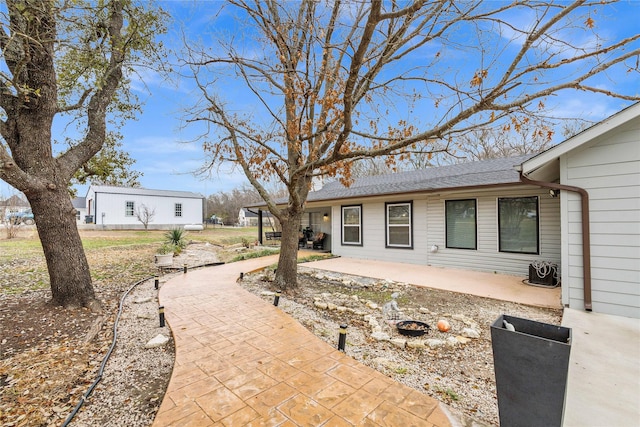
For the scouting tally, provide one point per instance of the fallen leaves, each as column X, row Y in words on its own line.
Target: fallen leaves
column 45, row 363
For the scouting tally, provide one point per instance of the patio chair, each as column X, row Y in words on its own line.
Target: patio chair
column 318, row 241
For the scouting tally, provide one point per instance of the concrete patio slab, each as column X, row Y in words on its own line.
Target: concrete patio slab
column 603, row 388
column 489, row 285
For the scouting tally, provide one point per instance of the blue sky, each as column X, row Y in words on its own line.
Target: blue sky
column 157, row 140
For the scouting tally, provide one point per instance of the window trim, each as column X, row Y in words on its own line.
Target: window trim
column 177, row 214
column 342, row 226
column 126, row 208
column 446, row 224
column 387, row 225
column 537, row 252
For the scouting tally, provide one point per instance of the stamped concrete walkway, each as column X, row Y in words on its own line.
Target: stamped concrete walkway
column 241, row 362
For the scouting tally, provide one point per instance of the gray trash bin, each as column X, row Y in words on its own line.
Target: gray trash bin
column 531, row 367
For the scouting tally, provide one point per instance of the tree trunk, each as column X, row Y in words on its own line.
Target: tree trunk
column 67, row 264
column 287, row 274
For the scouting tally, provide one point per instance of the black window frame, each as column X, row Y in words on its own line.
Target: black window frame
column 537, row 226
column 177, row 210
column 386, row 225
column 446, row 225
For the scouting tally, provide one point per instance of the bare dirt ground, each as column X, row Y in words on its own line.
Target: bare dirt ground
column 50, row 356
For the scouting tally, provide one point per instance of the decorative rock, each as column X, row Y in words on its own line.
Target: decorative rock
column 355, row 297
column 267, row 293
column 320, row 304
column 372, row 305
column 359, row 313
column 380, row 336
column 341, row 309
column 470, row 333
column 453, row 341
column 142, row 300
column 376, row 328
column 332, row 306
column 145, row 316
column 464, row 319
column 158, row 341
column 386, row 363
column 325, row 295
column 347, row 282
column 416, row 344
column 424, row 310
column 399, row 342
column 434, row 343
column 462, row 340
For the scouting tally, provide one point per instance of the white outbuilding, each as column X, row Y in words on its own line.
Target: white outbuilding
column 126, row 208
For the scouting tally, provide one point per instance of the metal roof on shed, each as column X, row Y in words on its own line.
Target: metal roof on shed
column 145, row 192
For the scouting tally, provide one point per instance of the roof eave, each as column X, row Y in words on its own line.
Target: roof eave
column 327, row 200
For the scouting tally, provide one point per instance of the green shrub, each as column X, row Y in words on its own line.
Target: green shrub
column 177, row 237
column 166, row 248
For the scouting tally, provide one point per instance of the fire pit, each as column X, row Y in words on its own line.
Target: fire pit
column 412, row 328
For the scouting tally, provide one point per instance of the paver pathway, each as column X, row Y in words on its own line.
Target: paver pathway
column 243, row 362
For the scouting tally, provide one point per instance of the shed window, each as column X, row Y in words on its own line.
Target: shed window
column 178, row 209
column 352, row 225
column 461, row 224
column 129, row 209
column 399, row 224
column 518, row 225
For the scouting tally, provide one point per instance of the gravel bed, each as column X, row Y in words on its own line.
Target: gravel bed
column 457, row 370
column 461, row 376
column 135, row 377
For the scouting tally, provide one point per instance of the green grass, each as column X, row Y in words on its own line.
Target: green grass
column 312, row 258
column 114, row 255
column 24, row 248
column 448, row 392
column 255, row 254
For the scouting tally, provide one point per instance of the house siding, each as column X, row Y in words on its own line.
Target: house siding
column 429, row 230
column 108, row 209
column 609, row 169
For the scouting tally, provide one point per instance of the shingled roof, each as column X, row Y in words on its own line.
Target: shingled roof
column 472, row 174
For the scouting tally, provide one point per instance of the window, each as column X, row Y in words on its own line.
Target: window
column 352, row 225
column 178, row 209
column 399, row 224
column 77, row 215
column 461, row 224
column 129, row 209
column 518, row 225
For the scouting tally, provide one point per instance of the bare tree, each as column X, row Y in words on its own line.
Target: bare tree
column 65, row 61
column 11, row 225
column 330, row 83
column 145, row 215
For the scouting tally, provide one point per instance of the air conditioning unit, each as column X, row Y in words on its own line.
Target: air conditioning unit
column 543, row 273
